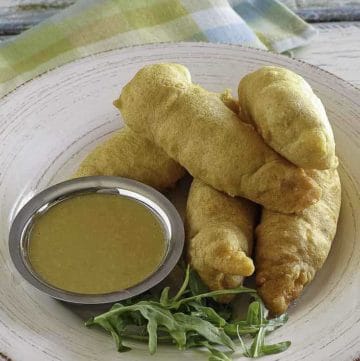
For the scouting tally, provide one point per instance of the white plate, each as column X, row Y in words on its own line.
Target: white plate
column 50, row 123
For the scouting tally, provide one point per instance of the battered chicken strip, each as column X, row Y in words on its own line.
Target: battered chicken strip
column 291, row 248
column 219, row 231
column 227, row 98
column 289, row 116
column 196, row 129
column 127, row 154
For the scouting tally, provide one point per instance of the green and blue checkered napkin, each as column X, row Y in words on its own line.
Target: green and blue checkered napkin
column 91, row 26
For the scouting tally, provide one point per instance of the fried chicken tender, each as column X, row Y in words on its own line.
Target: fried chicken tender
column 196, row 129
column 291, row 248
column 227, row 98
column 127, row 154
column 289, row 116
column 219, row 232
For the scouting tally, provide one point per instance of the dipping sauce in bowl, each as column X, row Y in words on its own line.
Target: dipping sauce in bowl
column 96, row 239
column 96, row 243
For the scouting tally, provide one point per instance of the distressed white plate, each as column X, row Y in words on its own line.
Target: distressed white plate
column 49, row 124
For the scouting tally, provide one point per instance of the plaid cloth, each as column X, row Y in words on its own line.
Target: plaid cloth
column 91, row 26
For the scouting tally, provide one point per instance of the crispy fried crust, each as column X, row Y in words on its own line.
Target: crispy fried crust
column 291, row 248
column 289, row 116
column 219, row 231
column 196, row 129
column 127, row 154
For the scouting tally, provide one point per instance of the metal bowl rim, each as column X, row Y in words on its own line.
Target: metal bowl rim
column 154, row 200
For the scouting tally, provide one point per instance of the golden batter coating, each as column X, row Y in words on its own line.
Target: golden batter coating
column 219, row 231
column 289, row 116
column 291, row 248
column 127, row 154
column 227, row 98
column 197, row 130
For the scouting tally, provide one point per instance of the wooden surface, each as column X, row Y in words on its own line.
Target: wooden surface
column 325, row 10
column 336, row 49
column 19, row 15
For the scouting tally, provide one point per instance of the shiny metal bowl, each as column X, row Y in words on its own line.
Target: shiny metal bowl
column 161, row 207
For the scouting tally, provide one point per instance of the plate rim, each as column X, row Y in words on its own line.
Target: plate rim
column 311, row 70
column 240, row 47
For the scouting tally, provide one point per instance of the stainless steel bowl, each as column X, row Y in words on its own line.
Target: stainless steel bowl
column 161, row 207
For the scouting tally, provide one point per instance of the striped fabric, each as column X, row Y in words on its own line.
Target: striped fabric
column 91, row 26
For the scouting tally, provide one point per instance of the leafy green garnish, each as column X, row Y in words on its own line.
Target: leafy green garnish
column 257, row 315
column 190, row 319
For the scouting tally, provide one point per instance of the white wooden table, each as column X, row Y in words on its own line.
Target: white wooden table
column 336, row 49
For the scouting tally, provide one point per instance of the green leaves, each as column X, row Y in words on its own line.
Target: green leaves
column 211, row 333
column 255, row 313
column 256, row 319
column 207, row 313
column 275, row 348
column 164, row 297
column 196, row 285
column 216, row 355
column 258, row 347
column 192, row 321
column 115, row 327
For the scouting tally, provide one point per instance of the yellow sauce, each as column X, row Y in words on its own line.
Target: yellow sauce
column 96, row 243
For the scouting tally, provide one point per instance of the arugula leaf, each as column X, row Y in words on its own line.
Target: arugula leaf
column 152, row 331
column 204, row 328
column 275, row 348
column 254, row 315
column 164, row 297
column 207, row 313
column 240, row 327
column 184, row 285
column 107, row 325
column 245, row 349
column 216, row 355
column 196, row 285
column 193, row 321
column 152, row 312
column 166, row 319
column 258, row 348
column 254, row 321
column 276, row 322
column 258, row 343
column 212, row 294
